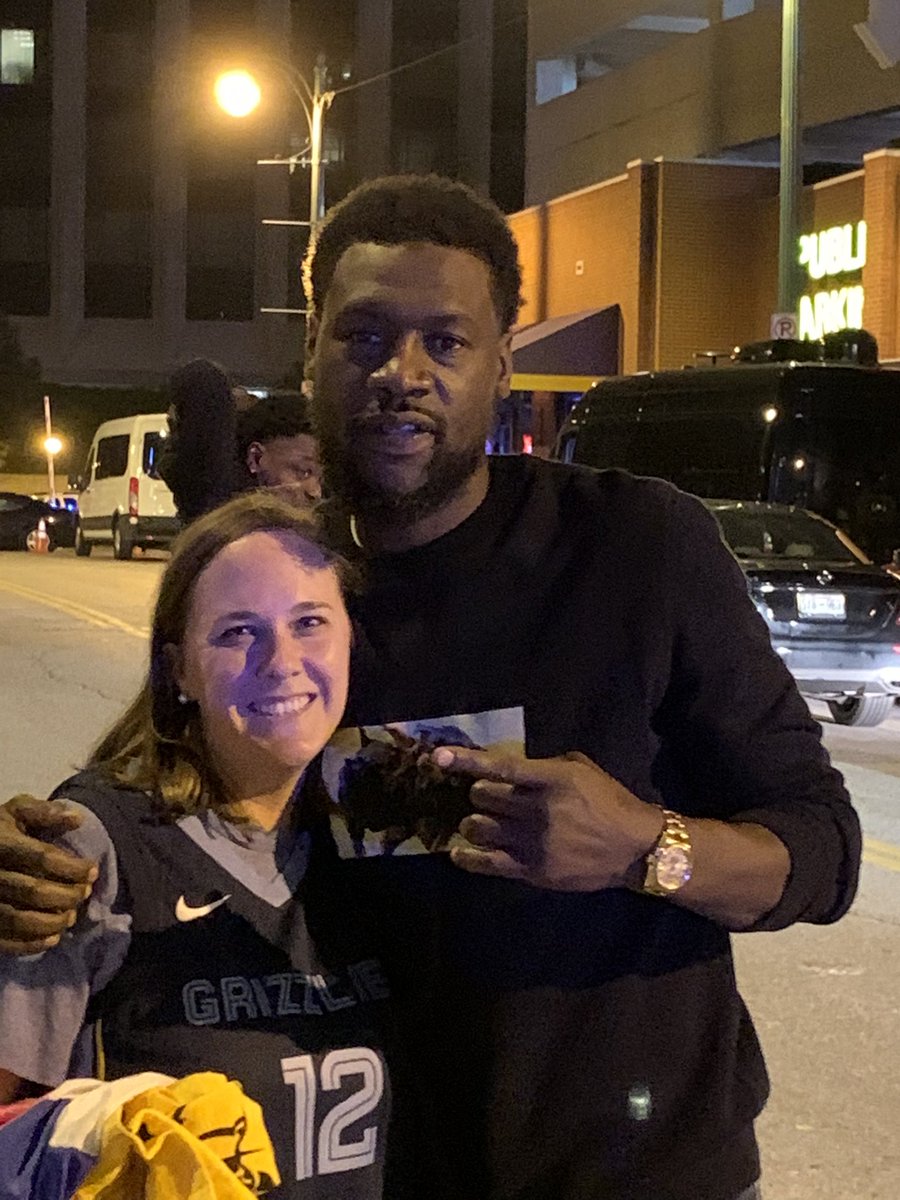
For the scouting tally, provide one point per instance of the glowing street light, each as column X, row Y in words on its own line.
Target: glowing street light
column 238, row 93
column 52, row 446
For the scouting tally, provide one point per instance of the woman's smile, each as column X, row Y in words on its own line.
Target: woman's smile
column 281, row 706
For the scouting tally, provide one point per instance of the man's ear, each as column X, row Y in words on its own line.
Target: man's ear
column 504, row 378
column 254, row 455
column 312, row 336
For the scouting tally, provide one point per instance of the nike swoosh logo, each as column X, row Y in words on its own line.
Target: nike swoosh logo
column 186, row 912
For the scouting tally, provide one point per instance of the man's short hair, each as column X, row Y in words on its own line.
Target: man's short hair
column 400, row 209
column 272, row 417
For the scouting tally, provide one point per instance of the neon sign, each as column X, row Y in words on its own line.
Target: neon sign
column 836, row 251
column 829, row 254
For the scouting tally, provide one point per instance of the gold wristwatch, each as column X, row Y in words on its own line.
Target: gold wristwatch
column 671, row 861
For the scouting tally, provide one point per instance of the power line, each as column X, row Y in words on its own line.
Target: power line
column 475, row 37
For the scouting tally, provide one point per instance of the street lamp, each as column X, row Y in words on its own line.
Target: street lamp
column 52, row 446
column 238, row 93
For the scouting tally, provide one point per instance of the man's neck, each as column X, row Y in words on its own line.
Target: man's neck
column 383, row 535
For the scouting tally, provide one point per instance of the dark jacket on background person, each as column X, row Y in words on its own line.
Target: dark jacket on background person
column 199, row 463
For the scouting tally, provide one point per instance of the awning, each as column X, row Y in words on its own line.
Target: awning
column 567, row 354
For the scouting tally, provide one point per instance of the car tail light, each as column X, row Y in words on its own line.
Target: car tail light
column 132, row 497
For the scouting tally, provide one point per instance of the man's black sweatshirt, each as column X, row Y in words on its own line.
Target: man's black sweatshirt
column 588, row 1046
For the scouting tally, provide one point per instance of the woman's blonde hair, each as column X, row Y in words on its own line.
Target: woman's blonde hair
column 157, row 745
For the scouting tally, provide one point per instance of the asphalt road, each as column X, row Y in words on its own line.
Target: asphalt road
column 826, row 1001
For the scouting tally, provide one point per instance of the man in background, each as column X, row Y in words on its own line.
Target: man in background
column 223, row 440
column 277, row 447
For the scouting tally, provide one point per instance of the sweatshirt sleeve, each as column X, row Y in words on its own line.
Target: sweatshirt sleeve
column 744, row 735
column 44, row 997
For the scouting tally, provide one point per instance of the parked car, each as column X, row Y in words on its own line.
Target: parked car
column 834, row 617
column 122, row 499
column 19, row 516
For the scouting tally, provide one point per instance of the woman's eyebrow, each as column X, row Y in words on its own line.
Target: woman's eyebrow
column 246, row 614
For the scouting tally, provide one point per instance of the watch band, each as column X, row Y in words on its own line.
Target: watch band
column 670, row 862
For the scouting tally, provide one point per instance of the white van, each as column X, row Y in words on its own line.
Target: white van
column 122, row 498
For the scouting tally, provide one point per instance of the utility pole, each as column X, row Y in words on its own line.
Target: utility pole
column 319, row 103
column 791, row 162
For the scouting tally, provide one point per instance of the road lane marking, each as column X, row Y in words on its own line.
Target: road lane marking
column 80, row 611
column 881, row 854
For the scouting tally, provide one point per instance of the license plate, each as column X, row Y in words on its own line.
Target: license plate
column 826, row 606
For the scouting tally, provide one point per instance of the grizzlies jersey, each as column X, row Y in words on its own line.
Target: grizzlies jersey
column 286, row 999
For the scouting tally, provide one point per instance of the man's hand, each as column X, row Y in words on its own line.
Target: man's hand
column 41, row 886
column 560, row 823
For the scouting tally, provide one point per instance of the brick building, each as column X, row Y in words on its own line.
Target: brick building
column 660, row 129
column 688, row 252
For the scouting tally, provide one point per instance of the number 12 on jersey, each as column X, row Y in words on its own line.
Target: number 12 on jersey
column 329, row 1153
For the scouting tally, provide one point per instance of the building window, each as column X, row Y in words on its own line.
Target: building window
column 16, row 56
column 24, row 258
column 558, row 76
column 554, row 77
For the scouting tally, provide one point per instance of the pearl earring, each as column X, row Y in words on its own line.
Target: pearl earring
column 182, row 698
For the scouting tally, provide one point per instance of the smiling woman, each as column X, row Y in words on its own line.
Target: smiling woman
column 265, row 668
column 251, row 593
column 201, row 809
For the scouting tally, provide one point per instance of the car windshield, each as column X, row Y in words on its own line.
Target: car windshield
column 762, row 533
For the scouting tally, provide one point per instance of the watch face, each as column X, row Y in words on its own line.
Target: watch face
column 673, row 868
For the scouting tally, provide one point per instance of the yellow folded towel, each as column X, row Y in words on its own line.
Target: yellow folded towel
column 199, row 1138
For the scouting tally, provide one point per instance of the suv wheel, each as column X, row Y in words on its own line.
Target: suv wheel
column 121, row 538
column 82, row 546
column 863, row 711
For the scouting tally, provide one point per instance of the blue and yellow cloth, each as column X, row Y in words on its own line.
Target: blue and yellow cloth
column 145, row 1137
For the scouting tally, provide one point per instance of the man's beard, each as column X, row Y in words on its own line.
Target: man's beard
column 448, row 472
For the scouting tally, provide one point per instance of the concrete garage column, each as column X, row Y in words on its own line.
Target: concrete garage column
column 476, row 22
column 170, row 104
column 374, row 42
column 69, row 142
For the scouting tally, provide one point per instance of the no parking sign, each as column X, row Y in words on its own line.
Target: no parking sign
column 784, row 325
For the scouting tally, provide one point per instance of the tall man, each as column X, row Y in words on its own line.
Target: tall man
column 564, row 976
